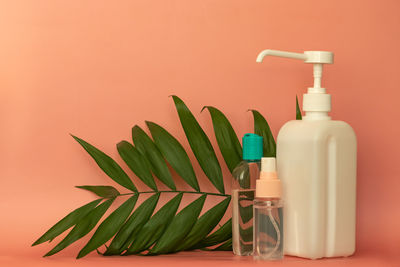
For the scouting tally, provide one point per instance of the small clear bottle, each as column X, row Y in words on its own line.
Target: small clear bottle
column 243, row 190
column 268, row 214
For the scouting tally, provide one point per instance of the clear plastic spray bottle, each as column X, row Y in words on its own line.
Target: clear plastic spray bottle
column 267, row 209
column 243, row 189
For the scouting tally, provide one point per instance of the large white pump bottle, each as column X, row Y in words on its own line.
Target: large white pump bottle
column 316, row 162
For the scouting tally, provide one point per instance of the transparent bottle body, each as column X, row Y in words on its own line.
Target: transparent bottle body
column 268, row 229
column 243, row 190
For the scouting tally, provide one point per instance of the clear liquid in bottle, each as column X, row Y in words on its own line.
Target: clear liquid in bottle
column 243, row 190
column 242, row 216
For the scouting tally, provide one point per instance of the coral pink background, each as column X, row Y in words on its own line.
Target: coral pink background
column 96, row 68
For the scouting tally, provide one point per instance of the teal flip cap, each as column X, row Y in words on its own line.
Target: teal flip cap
column 252, row 146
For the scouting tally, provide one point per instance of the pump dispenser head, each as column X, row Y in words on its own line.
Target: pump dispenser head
column 316, row 99
column 268, row 186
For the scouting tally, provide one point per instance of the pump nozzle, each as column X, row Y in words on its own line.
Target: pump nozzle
column 277, row 53
column 315, row 57
column 316, row 100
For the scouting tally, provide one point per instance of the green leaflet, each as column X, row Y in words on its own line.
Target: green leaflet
column 146, row 146
column 100, row 190
column 109, row 227
column 174, row 153
column 108, row 165
column 247, row 233
column 261, row 128
column 227, row 139
column 227, row 246
column 67, row 222
column 200, row 144
column 132, row 226
column 180, row 226
column 83, row 227
column 298, row 111
column 137, row 163
column 219, row 236
column 155, row 227
column 204, row 225
column 246, row 213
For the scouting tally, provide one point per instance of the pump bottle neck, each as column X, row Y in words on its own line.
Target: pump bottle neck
column 252, row 160
column 316, row 116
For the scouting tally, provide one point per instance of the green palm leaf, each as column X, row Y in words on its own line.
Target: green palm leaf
column 226, row 246
column 155, row 227
column 165, row 231
column 200, row 144
column 180, row 226
column 108, row 165
column 146, row 146
column 137, row 163
column 204, row 225
column 83, row 227
column 298, row 111
column 174, row 153
column 109, row 226
column 67, row 222
column 227, row 139
column 132, row 226
column 219, row 236
column 105, row 191
column 261, row 128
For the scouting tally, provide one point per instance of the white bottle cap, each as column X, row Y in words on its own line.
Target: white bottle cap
column 268, row 165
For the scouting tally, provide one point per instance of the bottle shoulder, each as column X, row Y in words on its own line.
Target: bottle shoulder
column 242, row 166
column 245, row 164
column 245, row 175
column 268, row 202
column 316, row 128
column 316, row 123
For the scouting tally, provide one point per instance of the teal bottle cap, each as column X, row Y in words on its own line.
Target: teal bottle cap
column 252, row 146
